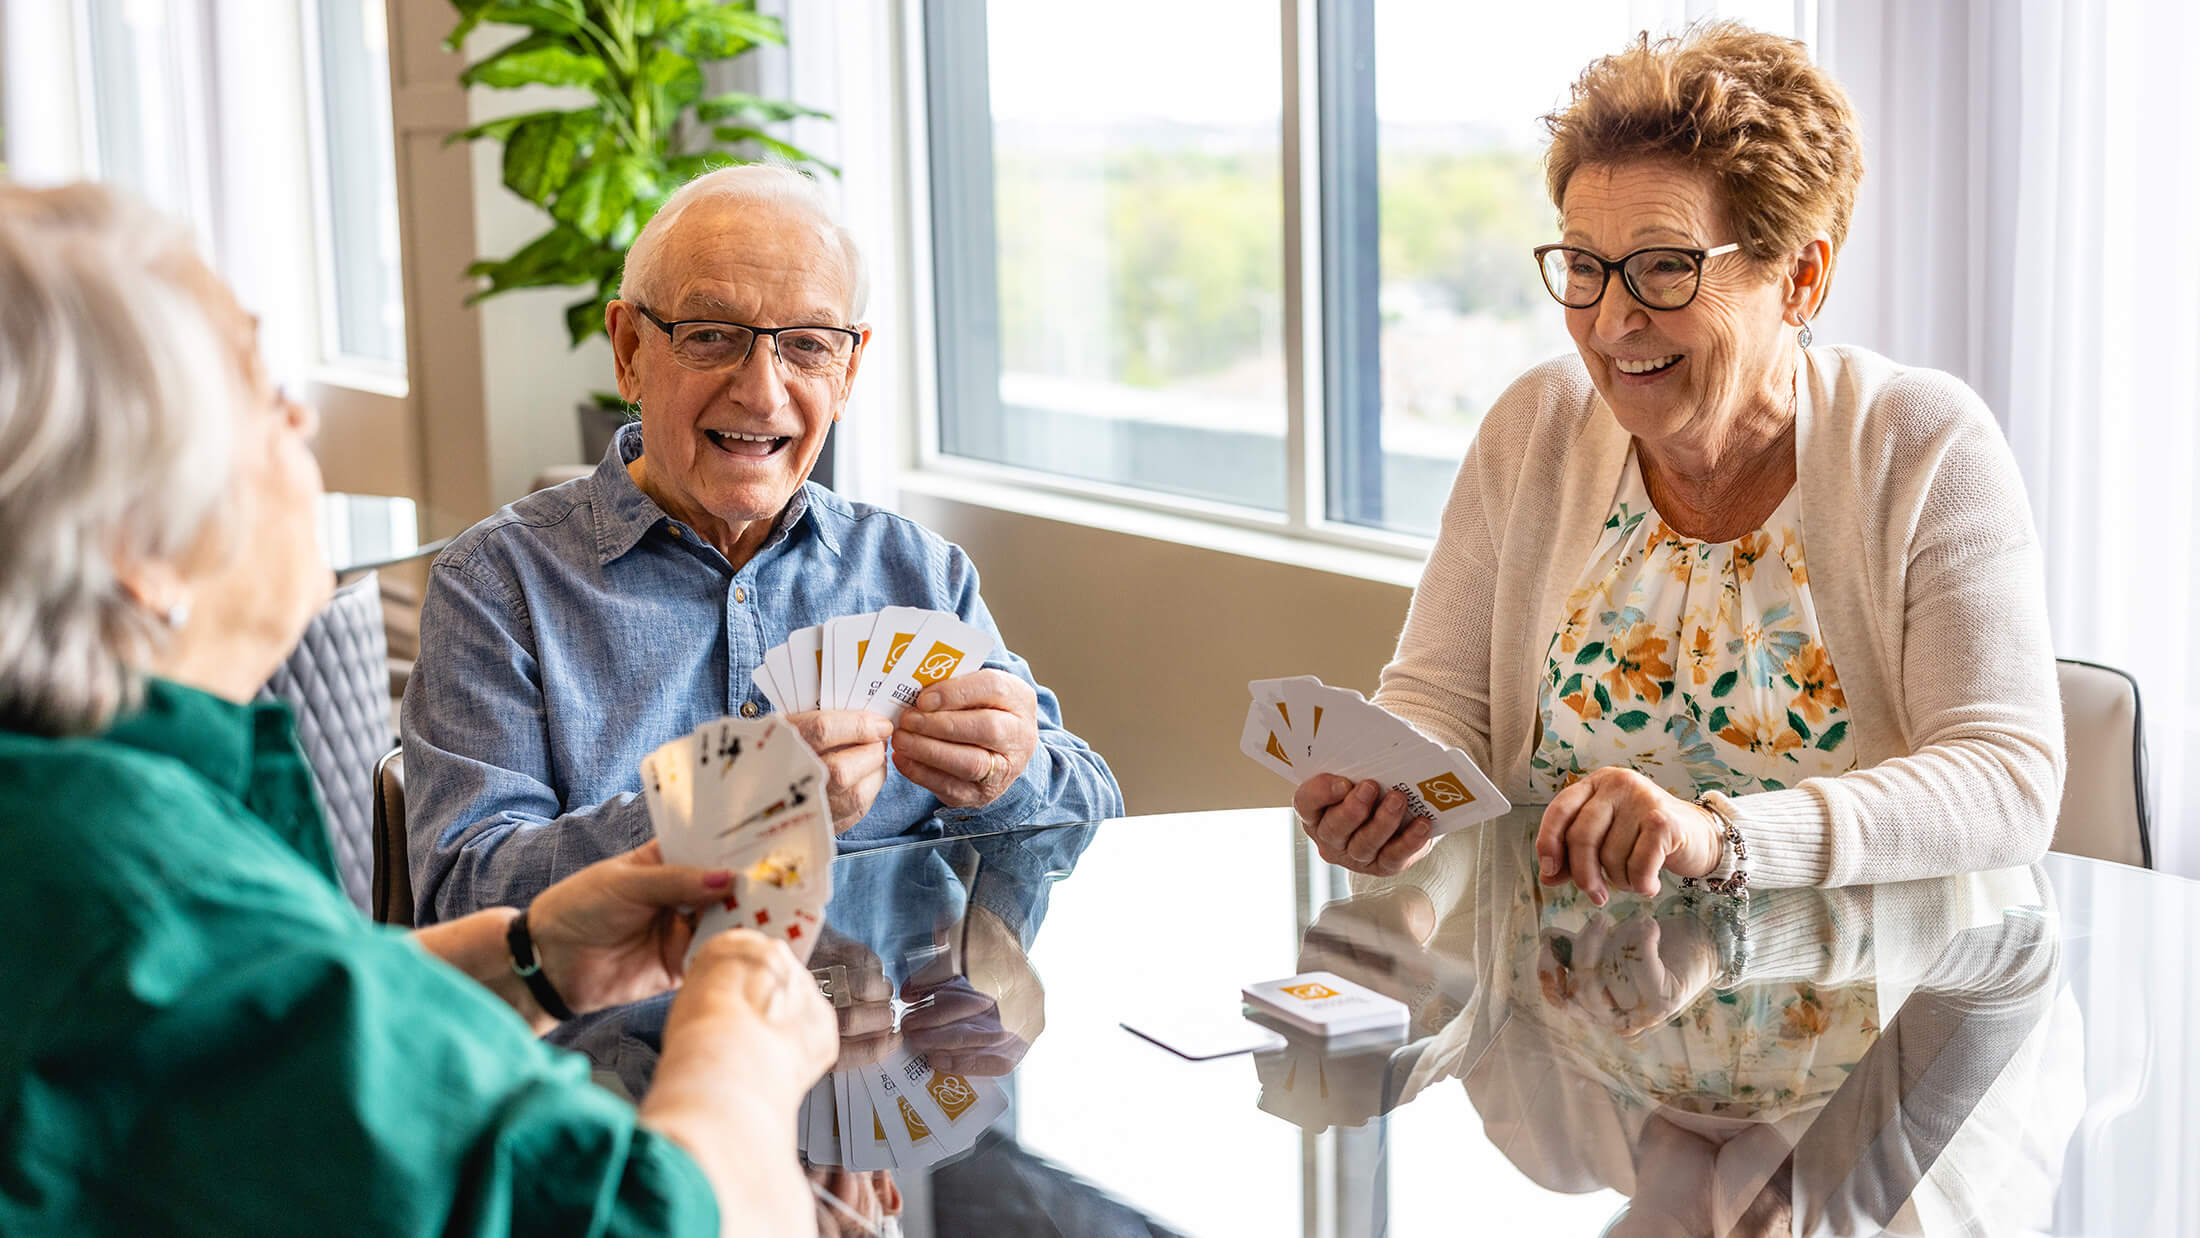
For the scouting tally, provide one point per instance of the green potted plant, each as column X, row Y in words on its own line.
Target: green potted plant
column 601, row 170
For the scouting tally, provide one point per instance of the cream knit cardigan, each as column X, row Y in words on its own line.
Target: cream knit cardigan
column 1925, row 572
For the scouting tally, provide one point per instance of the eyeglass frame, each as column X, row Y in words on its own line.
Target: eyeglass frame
column 755, row 333
column 1619, row 267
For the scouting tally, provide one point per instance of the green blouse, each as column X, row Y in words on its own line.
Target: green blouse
column 200, row 1035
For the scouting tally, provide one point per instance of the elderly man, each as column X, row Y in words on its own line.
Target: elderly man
column 577, row 629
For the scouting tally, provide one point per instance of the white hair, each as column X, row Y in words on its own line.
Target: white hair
column 748, row 184
column 117, row 413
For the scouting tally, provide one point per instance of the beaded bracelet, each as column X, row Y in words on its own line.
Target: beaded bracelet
column 1734, row 885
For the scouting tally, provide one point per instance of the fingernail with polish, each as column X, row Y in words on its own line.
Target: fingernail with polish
column 718, row 880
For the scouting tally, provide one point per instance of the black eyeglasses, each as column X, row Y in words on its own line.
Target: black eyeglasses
column 1663, row 277
column 707, row 345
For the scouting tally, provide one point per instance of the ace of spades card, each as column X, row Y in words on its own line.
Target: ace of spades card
column 757, row 805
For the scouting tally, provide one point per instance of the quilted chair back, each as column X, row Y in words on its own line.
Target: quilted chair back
column 338, row 683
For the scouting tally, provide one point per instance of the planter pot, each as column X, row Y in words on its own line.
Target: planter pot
column 598, row 426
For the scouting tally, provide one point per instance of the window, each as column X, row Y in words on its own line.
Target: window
column 249, row 156
column 146, row 126
column 1117, row 233
column 1135, row 206
column 355, row 173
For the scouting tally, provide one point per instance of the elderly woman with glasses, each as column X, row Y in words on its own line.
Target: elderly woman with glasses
column 202, row 1035
column 1739, row 608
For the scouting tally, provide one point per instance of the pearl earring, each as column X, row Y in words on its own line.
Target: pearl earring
column 176, row 616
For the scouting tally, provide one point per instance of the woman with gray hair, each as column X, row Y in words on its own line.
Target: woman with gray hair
column 204, row 1036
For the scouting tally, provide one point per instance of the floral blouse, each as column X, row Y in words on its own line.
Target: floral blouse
column 1696, row 664
column 1700, row 666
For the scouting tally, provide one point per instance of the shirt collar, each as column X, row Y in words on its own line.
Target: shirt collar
column 219, row 740
column 624, row 515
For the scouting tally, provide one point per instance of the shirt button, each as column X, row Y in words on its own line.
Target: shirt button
column 749, row 709
column 740, row 594
column 675, row 532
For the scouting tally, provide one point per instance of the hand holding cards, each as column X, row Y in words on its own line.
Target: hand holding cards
column 877, row 662
column 1299, row 727
column 748, row 796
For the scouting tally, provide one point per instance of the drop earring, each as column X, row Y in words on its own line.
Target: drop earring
column 1802, row 337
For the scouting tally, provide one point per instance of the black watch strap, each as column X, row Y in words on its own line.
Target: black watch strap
column 529, row 969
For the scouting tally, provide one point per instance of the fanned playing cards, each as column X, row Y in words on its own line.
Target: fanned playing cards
column 1299, row 727
column 878, row 662
column 748, row 795
column 895, row 1113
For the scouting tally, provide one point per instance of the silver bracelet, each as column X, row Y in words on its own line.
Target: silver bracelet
column 1734, row 885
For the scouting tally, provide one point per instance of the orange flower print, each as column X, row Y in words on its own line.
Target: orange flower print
column 1700, row 653
column 1805, row 1018
column 1749, row 549
column 1639, row 663
column 1752, row 734
column 1819, row 691
column 1584, row 702
column 1791, row 552
column 1569, row 633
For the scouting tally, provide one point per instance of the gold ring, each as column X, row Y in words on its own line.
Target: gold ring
column 998, row 772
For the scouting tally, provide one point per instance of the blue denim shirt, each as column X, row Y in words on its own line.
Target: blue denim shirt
column 574, row 631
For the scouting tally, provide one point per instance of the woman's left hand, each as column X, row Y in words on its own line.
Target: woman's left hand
column 1617, row 829
column 618, row 930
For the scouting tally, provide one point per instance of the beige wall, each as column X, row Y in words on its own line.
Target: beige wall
column 1150, row 643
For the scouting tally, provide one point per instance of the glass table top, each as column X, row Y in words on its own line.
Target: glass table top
column 2011, row 1052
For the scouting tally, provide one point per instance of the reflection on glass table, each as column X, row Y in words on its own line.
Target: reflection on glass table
column 1999, row 1053
column 360, row 532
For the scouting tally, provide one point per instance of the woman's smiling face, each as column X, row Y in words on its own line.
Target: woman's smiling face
column 1680, row 373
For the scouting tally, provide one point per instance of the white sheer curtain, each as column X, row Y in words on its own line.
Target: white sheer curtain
column 2032, row 186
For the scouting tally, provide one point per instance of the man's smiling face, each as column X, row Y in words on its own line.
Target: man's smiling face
column 731, row 446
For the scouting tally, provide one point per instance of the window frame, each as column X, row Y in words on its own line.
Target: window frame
column 333, row 366
column 951, row 112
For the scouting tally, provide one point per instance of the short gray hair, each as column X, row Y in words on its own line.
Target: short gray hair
column 117, row 414
column 759, row 184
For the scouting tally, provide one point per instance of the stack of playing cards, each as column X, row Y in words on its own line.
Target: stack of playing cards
column 878, row 662
column 901, row 1112
column 748, row 796
column 1325, row 1004
column 1299, row 727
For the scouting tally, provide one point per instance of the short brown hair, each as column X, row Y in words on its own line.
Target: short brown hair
column 1775, row 131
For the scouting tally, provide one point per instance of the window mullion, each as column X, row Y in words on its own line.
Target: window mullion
column 1304, row 382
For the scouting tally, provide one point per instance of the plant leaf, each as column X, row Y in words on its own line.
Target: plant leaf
column 651, row 16
column 1833, row 736
column 600, row 199
column 469, row 16
column 1725, row 684
column 725, row 30
column 554, row 258
column 752, row 110
column 537, row 60
column 1589, row 653
column 584, row 319
column 674, row 81
column 499, row 129
column 540, row 155
column 1631, row 721
column 534, row 16
column 785, row 150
